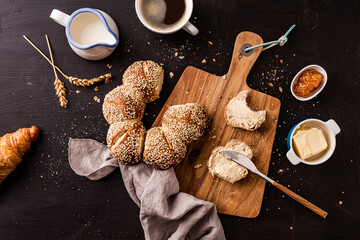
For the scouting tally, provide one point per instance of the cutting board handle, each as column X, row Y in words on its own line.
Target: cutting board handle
column 242, row 62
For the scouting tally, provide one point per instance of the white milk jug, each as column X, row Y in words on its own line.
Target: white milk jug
column 92, row 34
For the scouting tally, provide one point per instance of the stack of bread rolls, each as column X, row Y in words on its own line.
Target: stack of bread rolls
column 123, row 108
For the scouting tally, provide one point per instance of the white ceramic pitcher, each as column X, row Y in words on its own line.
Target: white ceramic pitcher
column 92, row 34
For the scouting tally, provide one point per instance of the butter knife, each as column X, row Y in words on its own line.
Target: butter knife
column 247, row 163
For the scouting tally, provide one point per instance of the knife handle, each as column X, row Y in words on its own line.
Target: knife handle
column 301, row 200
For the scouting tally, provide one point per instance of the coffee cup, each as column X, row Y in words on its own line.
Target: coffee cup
column 153, row 15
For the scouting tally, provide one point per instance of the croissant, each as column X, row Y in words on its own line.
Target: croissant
column 12, row 148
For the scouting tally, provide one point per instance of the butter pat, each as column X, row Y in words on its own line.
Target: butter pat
column 308, row 142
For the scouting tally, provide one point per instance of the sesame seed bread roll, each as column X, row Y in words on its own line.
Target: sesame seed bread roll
column 145, row 76
column 123, row 103
column 125, row 140
column 163, row 150
column 187, row 121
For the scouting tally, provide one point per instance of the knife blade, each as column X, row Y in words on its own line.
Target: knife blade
column 245, row 162
column 248, row 164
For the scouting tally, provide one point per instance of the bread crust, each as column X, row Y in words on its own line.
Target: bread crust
column 225, row 168
column 145, row 76
column 163, row 150
column 125, row 140
column 123, row 103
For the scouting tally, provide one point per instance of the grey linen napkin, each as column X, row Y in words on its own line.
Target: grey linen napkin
column 165, row 213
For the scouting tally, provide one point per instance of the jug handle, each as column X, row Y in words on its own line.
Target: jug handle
column 59, row 17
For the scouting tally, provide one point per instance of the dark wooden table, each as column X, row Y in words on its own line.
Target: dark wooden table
column 44, row 199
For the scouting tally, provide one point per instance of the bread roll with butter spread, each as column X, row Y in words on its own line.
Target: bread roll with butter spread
column 238, row 114
column 225, row 168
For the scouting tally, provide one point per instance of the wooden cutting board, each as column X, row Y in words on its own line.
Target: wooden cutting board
column 244, row 197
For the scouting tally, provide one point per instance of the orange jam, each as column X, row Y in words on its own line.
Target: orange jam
column 308, row 82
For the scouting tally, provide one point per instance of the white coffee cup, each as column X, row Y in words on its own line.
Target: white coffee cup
column 182, row 24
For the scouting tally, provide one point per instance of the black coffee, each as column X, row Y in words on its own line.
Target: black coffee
column 162, row 14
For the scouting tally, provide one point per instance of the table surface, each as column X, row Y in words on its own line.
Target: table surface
column 44, row 199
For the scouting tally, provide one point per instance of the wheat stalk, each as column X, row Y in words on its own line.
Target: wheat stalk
column 87, row 82
column 59, row 85
column 74, row 80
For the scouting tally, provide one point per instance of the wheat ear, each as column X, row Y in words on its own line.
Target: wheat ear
column 59, row 85
column 74, row 80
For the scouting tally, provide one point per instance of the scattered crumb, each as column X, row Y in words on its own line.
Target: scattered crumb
column 108, row 66
column 96, row 89
column 78, row 91
column 203, row 61
column 280, row 171
column 198, row 166
column 280, row 89
column 97, row 99
column 340, row 202
column 291, row 228
column 161, row 64
column 281, row 61
column 171, row 74
column 176, row 54
column 181, row 57
column 214, row 60
column 271, row 85
column 210, row 43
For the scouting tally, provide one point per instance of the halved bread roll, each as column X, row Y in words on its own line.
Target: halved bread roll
column 125, row 140
column 238, row 114
column 225, row 168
